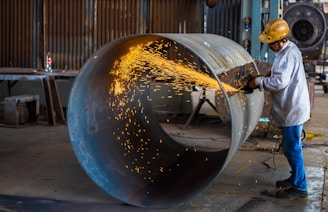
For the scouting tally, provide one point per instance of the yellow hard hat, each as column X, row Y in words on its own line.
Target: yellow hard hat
column 274, row 30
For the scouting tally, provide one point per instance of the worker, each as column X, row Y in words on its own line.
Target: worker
column 290, row 102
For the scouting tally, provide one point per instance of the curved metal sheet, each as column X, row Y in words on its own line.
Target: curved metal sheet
column 219, row 53
column 134, row 142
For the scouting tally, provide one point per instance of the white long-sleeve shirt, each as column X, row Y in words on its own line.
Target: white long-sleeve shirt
column 288, row 86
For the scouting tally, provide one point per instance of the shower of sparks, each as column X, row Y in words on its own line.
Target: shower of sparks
column 131, row 75
column 140, row 61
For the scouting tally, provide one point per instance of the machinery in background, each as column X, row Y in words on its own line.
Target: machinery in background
column 308, row 26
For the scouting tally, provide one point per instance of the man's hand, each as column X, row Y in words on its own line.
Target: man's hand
column 252, row 84
column 257, row 82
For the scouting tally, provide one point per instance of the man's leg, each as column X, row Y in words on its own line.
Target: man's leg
column 292, row 148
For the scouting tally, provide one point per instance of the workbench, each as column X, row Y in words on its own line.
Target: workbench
column 48, row 79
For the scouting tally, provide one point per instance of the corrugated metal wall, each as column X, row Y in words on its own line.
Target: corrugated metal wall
column 224, row 19
column 115, row 19
column 16, row 30
column 73, row 29
column 68, row 31
column 176, row 16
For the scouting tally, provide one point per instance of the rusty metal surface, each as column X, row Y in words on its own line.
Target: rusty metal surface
column 68, row 33
column 224, row 19
column 11, row 108
column 72, row 29
column 182, row 16
column 114, row 19
column 16, row 42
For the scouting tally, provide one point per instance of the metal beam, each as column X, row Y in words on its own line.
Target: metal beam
column 259, row 12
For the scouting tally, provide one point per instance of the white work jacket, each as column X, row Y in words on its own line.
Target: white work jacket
column 288, row 86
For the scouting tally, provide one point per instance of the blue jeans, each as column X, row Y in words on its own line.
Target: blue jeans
column 292, row 148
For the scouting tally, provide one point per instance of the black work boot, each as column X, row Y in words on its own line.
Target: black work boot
column 283, row 184
column 291, row 193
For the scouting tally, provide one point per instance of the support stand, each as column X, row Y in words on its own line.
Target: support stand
column 195, row 113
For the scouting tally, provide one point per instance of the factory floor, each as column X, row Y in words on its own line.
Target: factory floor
column 39, row 172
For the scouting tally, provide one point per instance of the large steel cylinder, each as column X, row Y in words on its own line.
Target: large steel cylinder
column 154, row 119
column 308, row 27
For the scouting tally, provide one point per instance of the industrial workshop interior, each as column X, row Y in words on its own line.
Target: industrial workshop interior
column 144, row 105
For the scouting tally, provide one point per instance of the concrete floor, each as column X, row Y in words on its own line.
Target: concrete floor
column 39, row 172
